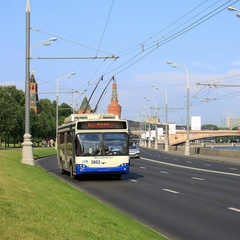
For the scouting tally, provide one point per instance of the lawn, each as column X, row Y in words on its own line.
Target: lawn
column 37, row 205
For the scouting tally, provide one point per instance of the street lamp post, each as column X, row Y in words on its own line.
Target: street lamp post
column 187, row 145
column 145, row 144
column 60, row 78
column 27, row 151
column 166, row 109
column 149, row 125
column 73, row 98
column 155, row 113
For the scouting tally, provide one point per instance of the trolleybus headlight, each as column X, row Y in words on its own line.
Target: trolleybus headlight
column 124, row 164
column 82, row 166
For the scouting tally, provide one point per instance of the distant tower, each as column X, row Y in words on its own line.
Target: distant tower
column 34, row 103
column 85, row 107
column 114, row 107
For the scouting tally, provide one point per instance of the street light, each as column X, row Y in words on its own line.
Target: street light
column 166, row 109
column 73, row 98
column 27, row 151
column 149, row 125
column 58, row 79
column 41, row 43
column 177, row 65
column 155, row 110
column 145, row 127
column 233, row 9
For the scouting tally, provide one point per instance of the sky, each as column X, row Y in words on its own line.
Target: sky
column 132, row 40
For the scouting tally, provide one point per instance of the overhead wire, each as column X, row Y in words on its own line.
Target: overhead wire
column 105, row 27
column 154, row 45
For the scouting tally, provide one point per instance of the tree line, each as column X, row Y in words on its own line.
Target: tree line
column 12, row 117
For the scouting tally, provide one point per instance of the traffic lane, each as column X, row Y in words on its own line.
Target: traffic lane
column 143, row 195
column 122, row 195
column 215, row 186
column 195, row 204
column 190, row 161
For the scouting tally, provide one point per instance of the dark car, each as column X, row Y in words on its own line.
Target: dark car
column 134, row 152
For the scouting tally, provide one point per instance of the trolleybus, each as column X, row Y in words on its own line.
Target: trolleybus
column 93, row 144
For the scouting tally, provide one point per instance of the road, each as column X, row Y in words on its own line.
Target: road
column 180, row 197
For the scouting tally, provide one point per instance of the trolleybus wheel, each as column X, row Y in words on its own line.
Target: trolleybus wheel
column 61, row 169
column 118, row 176
column 71, row 171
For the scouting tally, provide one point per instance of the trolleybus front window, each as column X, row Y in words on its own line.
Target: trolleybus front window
column 89, row 142
column 117, row 143
column 102, row 144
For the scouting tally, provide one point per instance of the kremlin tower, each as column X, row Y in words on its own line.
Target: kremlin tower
column 85, row 107
column 114, row 107
column 34, row 103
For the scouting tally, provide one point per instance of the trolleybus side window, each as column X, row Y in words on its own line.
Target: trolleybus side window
column 78, row 146
column 69, row 142
column 62, row 142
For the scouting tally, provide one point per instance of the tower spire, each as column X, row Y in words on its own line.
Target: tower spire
column 114, row 107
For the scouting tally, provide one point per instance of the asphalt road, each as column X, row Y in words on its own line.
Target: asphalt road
column 180, row 197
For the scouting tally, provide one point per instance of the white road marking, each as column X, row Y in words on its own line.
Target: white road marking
column 206, row 164
column 200, row 179
column 234, row 209
column 175, row 159
column 189, row 162
column 169, row 190
column 163, row 172
column 143, row 167
column 192, row 168
column 133, row 180
column 231, row 168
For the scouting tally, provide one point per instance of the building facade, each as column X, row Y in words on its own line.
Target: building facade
column 233, row 122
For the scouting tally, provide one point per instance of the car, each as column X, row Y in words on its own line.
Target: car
column 134, row 152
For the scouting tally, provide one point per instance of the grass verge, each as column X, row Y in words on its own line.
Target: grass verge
column 37, row 205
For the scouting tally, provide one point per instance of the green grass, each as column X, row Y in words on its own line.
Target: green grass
column 37, row 205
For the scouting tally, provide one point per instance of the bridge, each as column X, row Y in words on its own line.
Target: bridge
column 180, row 136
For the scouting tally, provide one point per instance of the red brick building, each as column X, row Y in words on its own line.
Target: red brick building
column 34, row 102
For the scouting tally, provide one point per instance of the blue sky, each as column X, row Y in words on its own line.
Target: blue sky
column 202, row 35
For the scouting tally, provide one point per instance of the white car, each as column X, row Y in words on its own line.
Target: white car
column 134, row 152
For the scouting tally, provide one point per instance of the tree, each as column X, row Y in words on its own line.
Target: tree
column 11, row 112
column 46, row 119
column 12, row 116
column 209, row 127
column 64, row 110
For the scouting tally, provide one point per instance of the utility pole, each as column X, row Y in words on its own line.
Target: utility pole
column 27, row 151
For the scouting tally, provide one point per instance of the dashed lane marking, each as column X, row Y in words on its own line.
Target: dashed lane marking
column 163, row 172
column 231, row 168
column 196, row 178
column 133, row 180
column 169, row 190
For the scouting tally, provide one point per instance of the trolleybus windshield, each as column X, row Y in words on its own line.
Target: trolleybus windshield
column 102, row 143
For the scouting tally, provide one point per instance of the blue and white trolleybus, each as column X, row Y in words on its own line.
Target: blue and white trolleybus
column 93, row 144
